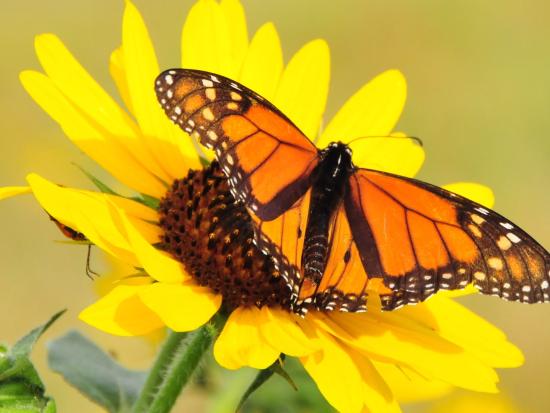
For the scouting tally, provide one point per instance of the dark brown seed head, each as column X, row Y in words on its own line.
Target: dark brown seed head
column 212, row 235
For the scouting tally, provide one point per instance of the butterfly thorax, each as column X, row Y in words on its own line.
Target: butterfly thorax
column 328, row 186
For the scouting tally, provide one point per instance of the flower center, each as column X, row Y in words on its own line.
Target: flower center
column 212, row 236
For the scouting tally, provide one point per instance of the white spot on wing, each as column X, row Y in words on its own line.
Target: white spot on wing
column 513, row 237
column 482, row 210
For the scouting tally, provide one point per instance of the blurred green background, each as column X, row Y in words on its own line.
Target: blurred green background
column 479, row 97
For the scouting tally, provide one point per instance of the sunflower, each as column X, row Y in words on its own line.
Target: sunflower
column 360, row 362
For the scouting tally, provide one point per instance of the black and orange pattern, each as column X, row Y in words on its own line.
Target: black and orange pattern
column 336, row 232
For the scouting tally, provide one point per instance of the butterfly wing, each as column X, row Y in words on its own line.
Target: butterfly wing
column 419, row 238
column 266, row 158
column 283, row 239
column 344, row 283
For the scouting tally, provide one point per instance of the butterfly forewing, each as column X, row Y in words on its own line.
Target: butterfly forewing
column 420, row 238
column 268, row 161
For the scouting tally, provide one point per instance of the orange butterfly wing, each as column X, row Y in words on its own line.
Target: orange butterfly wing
column 344, row 283
column 420, row 238
column 283, row 240
column 268, row 160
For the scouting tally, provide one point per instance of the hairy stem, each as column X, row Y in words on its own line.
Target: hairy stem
column 175, row 364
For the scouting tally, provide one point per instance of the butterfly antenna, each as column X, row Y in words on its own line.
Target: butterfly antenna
column 414, row 138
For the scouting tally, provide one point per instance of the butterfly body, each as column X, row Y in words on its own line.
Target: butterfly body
column 328, row 188
column 337, row 232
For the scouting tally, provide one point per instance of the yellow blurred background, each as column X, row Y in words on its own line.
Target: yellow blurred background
column 479, row 97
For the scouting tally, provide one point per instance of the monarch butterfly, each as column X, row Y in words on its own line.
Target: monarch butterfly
column 336, row 231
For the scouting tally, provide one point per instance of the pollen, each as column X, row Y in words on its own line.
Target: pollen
column 213, row 237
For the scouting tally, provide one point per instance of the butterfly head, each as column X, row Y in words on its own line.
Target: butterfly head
column 339, row 155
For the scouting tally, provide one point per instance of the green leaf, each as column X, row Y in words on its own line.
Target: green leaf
column 24, row 346
column 94, row 373
column 99, row 184
column 144, row 199
column 21, row 389
column 148, row 200
column 265, row 375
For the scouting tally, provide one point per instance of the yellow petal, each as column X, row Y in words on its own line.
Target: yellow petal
column 303, row 89
column 91, row 137
column 347, row 380
column 206, row 39
column 77, row 84
column 372, row 111
column 91, row 100
column 340, row 390
column 396, row 154
column 408, row 386
column 118, row 73
column 463, row 327
column 263, row 63
column 86, row 212
column 377, row 395
column 241, row 344
column 164, row 140
column 476, row 192
column 182, row 307
column 121, row 312
column 389, row 337
column 9, row 191
column 281, row 330
column 143, row 219
column 235, row 18
column 158, row 264
column 75, row 210
column 134, row 209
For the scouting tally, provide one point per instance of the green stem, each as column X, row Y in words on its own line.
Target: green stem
column 175, row 364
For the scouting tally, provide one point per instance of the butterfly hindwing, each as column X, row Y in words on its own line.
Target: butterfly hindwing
column 267, row 159
column 344, row 283
column 283, row 239
column 420, row 238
